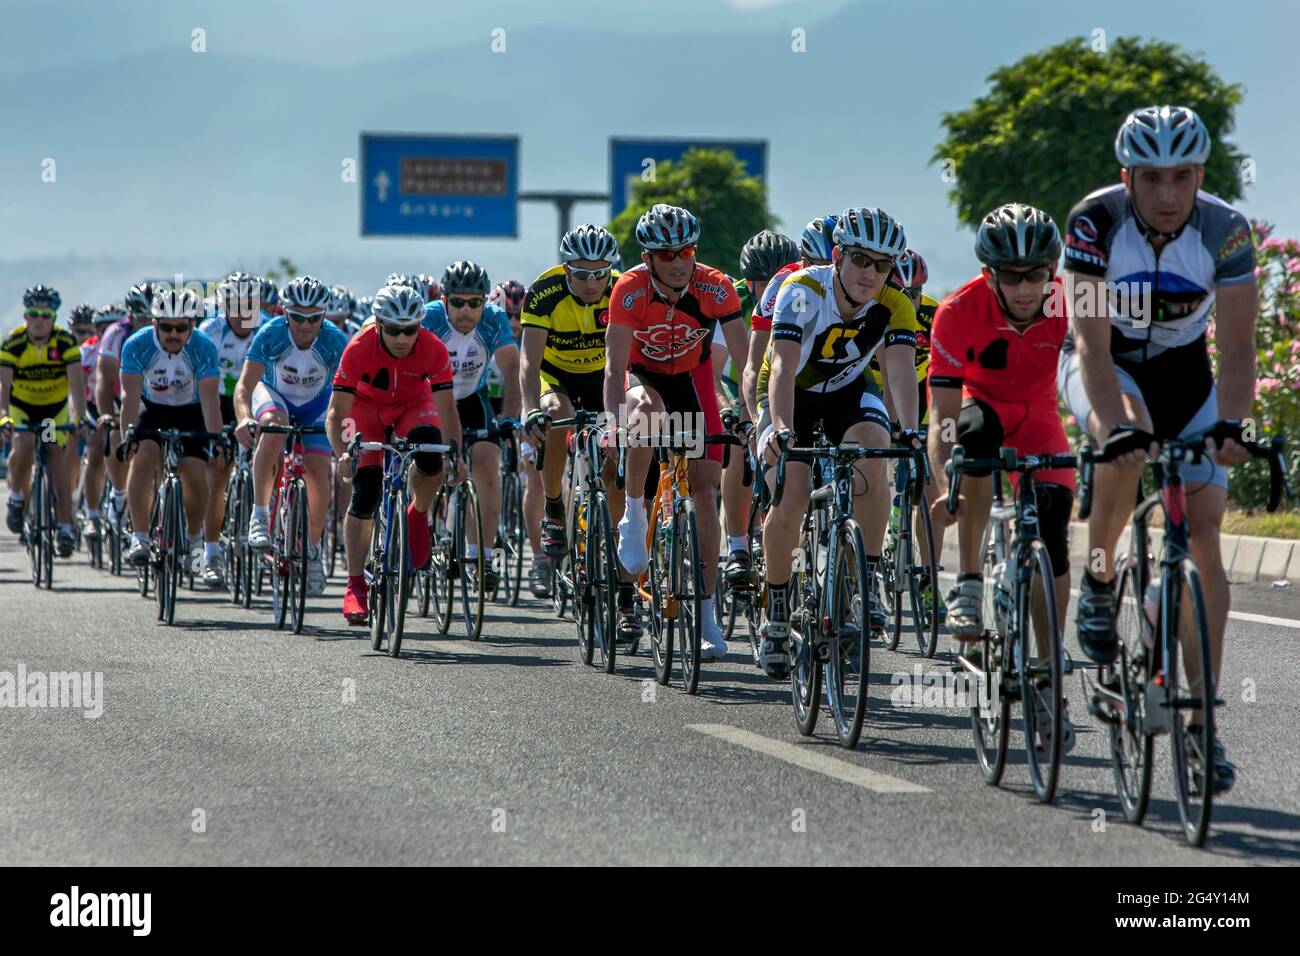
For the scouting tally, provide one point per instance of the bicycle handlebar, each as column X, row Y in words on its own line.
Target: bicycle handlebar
column 845, row 451
column 1007, row 460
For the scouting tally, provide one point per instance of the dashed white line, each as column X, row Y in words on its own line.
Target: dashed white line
column 809, row 760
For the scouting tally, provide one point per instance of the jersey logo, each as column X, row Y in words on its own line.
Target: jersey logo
column 602, row 318
column 719, row 292
column 994, row 355
column 631, row 297
column 663, row 343
column 1085, row 230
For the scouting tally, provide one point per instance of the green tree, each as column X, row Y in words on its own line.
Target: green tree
column 1045, row 131
column 730, row 205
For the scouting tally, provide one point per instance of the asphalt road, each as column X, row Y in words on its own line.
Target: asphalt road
column 223, row 741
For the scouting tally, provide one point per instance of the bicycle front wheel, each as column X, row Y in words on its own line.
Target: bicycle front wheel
column 441, row 580
column 298, row 537
column 990, row 705
column 602, row 575
column 397, row 561
column 375, row 572
column 584, row 623
column 1042, row 691
column 662, row 608
column 688, row 589
column 925, row 603
column 847, row 669
column 470, row 519
column 1192, row 734
column 171, row 547
column 1131, row 747
column 805, row 668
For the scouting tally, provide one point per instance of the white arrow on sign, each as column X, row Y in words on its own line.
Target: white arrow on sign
column 382, row 182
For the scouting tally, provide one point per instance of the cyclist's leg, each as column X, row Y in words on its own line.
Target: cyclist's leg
column 217, row 480
column 140, row 484
column 316, row 465
column 21, row 457
column 269, row 409
column 866, row 421
column 485, row 463
column 556, row 404
column 645, row 408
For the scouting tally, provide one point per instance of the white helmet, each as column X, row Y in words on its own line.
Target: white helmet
column 398, row 305
column 873, row 229
column 1163, row 137
column 667, row 227
column 593, row 243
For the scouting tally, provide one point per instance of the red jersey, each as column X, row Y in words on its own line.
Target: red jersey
column 973, row 346
column 761, row 320
column 672, row 339
column 375, row 376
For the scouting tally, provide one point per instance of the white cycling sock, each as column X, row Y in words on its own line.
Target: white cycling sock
column 634, row 510
column 262, row 511
column 211, row 549
column 737, row 542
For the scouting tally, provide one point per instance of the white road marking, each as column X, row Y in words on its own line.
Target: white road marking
column 809, row 759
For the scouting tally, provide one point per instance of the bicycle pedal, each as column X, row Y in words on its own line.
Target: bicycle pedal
column 1103, row 711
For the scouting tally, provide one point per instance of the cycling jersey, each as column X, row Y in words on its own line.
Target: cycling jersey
column 470, row 351
column 111, row 342
column 1170, row 294
column 977, row 349
column 303, row 377
column 761, row 320
column 40, row 372
column 575, row 331
column 169, row 378
column 924, row 322
column 89, row 364
column 834, row 351
column 672, row 339
column 231, row 349
column 730, row 379
column 377, row 377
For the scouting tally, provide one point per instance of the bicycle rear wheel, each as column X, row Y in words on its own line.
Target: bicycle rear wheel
column 1131, row 747
column 1192, row 734
column 805, row 668
column 298, row 536
column 603, row 577
column 378, row 578
column 470, row 518
column 583, row 591
column 848, row 668
column 925, row 612
column 442, row 565
column 281, row 544
column 34, row 533
column 397, row 560
column 689, row 591
column 509, row 544
column 330, row 545
column 1042, row 691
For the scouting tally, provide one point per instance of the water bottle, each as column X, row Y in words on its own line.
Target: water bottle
column 1150, row 609
column 1001, row 599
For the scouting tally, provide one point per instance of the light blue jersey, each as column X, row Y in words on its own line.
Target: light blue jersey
column 471, row 353
column 169, row 378
column 302, row 377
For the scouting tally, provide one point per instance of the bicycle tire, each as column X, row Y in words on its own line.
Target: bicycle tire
column 689, row 592
column 298, row 538
column 584, row 624
column 173, row 535
column 378, row 593
column 281, row 539
column 991, row 730
column 927, row 634
column 1194, row 813
column 34, row 533
column 330, row 544
column 1044, row 680
column 1131, row 747
column 398, row 566
column 442, row 565
column 517, row 536
column 805, row 668
column 661, row 631
column 467, row 511
column 603, row 575
column 848, row 671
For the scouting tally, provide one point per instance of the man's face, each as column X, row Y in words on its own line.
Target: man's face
column 860, row 272
column 40, row 323
column 173, row 333
column 672, row 267
column 82, row 331
column 399, row 340
column 464, row 310
column 242, row 314
column 1164, row 197
column 1024, row 289
column 588, row 279
column 304, row 324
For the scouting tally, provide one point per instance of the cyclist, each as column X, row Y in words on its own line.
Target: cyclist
column 232, row 333
column 342, row 306
column 270, row 300
column 1162, row 255
column 81, row 323
column 566, row 314
column 288, row 379
column 40, row 380
column 826, row 324
column 658, row 361
column 395, row 377
column 909, row 276
column 108, row 389
column 169, row 380
column 475, row 331
column 761, row 259
column 92, row 477
column 509, row 297
column 996, row 342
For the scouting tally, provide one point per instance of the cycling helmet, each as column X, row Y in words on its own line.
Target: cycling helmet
column 139, row 301
column 816, row 241
column 1017, row 235
column 510, row 296
column 871, row 229
column 910, row 271
column 169, row 303
column 466, row 276
column 41, row 297
column 108, row 314
column 270, row 295
column 305, row 292
column 398, row 305
column 362, row 309
column 667, row 227
column 592, row 243
column 765, row 254
column 240, row 286
column 81, row 314
column 1162, row 136
column 342, row 302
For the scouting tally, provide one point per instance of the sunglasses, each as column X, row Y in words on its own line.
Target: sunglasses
column 1011, row 279
column 402, row 330
column 303, row 318
column 173, row 328
column 583, row 275
column 864, row 261
column 456, row 302
column 668, row 255
column 41, row 313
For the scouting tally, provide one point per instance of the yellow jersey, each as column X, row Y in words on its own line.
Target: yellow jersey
column 40, row 373
column 925, row 321
column 575, row 340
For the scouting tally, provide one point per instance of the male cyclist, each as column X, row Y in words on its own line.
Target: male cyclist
column 40, row 379
column 475, row 331
column 108, row 390
column 995, row 346
column 81, row 323
column 658, row 361
column 1149, row 259
column 827, row 323
column 342, row 306
column 92, row 476
column 394, row 377
column 232, row 333
column 288, row 380
column 169, row 380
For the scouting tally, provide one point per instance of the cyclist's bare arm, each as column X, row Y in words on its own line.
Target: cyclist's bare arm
column 336, row 417
column 131, row 385
column 1235, row 311
column 749, row 380
column 898, row 367
column 1091, row 327
column 106, row 383
column 249, row 376
column 76, row 390
column 508, row 362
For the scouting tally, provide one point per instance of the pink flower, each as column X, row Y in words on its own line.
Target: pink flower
column 1269, row 244
column 1267, row 384
column 1263, row 230
column 1293, row 265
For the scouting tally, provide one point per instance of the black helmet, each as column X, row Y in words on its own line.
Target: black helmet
column 41, row 297
column 81, row 314
column 766, row 254
column 1017, row 235
column 465, row 276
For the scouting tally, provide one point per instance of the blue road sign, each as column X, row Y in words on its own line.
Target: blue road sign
column 414, row 185
column 627, row 161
